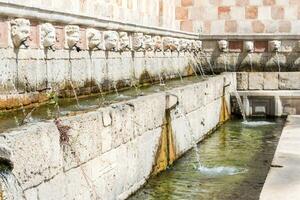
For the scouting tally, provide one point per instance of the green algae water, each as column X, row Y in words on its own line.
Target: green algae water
column 235, row 161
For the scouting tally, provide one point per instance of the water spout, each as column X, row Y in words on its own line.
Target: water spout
column 194, row 140
column 10, row 188
column 277, row 60
column 240, row 104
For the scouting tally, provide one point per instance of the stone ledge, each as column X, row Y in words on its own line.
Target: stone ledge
column 283, row 181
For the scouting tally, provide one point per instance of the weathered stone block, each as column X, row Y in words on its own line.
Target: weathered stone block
column 256, row 81
column 289, row 80
column 242, row 80
column 270, row 81
column 84, row 141
column 45, row 159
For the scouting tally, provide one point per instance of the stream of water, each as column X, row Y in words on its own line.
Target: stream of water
column 235, row 161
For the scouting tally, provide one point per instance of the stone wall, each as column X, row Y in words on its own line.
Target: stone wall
column 268, row 93
column 37, row 57
column 260, row 57
column 268, row 81
column 157, row 13
column 89, row 155
column 239, row 16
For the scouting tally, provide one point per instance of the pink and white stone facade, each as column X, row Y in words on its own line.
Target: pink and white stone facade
column 239, row 16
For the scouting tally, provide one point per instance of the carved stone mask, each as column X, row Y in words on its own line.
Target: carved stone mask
column 72, row 33
column 167, row 43
column 138, row 41
column 275, row 45
column 111, row 39
column 223, row 45
column 198, row 45
column 48, row 35
column 20, row 32
column 125, row 43
column 148, row 42
column 94, row 39
column 249, row 46
column 175, row 44
column 189, row 45
column 157, row 43
column 183, row 45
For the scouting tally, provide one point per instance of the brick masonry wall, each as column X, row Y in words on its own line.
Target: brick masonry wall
column 239, row 16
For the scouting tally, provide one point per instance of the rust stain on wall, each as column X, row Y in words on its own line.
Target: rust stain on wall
column 166, row 153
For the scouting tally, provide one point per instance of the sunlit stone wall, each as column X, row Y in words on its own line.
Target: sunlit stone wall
column 144, row 12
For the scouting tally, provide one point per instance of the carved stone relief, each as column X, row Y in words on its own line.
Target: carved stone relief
column 138, row 42
column 111, row 39
column 148, row 43
column 124, row 43
column 158, row 46
column 94, row 39
column 48, row 36
column 20, row 32
column 72, row 37
column 223, row 45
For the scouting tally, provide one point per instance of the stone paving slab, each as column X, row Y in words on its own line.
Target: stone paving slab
column 283, row 180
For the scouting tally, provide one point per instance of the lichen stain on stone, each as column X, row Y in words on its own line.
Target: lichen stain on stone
column 166, row 152
column 145, row 77
column 224, row 114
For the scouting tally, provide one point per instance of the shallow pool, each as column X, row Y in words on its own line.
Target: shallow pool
column 234, row 164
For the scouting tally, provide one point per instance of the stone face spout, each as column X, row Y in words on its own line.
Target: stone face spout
column 274, row 45
column 125, row 42
column 196, row 45
column 249, row 46
column 48, row 36
column 94, row 39
column 72, row 34
column 20, row 32
column 158, row 46
column 183, row 45
column 167, row 43
column 138, row 42
column 223, row 45
column 148, row 43
column 175, row 44
column 111, row 40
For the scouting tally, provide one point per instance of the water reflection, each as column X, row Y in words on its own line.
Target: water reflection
column 235, row 160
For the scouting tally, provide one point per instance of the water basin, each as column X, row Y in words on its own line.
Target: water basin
column 234, row 164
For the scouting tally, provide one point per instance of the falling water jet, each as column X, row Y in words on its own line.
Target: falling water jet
column 100, row 90
column 251, row 62
column 240, row 104
column 277, row 61
column 194, row 141
column 208, row 62
column 9, row 185
column 115, row 88
column 199, row 66
column 133, row 77
column 75, row 94
column 178, row 72
column 225, row 62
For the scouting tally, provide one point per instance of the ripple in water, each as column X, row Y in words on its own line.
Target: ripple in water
column 257, row 123
column 220, row 171
column 122, row 97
